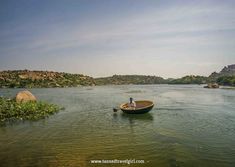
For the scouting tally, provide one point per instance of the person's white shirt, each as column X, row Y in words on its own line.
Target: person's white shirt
column 132, row 104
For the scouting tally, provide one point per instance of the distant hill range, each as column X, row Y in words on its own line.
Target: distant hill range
column 190, row 79
column 47, row 79
column 225, row 77
column 130, row 79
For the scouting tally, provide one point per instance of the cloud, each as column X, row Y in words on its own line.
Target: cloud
column 188, row 34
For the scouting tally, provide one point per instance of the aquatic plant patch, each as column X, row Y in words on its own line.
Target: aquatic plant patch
column 10, row 110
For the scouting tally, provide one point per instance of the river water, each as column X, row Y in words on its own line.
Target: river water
column 188, row 126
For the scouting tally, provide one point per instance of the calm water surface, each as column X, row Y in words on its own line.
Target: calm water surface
column 189, row 126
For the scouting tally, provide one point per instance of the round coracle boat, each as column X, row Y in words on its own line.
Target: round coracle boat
column 142, row 106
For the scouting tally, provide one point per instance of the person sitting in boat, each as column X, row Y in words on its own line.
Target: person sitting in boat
column 132, row 103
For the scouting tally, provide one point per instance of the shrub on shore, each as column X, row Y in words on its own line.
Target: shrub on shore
column 10, row 110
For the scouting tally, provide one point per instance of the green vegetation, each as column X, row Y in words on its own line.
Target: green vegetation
column 42, row 79
column 10, row 110
column 226, row 80
column 129, row 79
column 190, row 79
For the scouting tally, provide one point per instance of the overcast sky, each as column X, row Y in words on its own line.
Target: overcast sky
column 105, row 37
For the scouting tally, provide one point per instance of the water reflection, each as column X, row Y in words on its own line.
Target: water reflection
column 141, row 117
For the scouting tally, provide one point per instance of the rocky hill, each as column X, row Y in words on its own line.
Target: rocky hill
column 226, row 71
column 225, row 77
column 45, row 79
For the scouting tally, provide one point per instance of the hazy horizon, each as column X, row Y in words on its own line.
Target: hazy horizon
column 102, row 38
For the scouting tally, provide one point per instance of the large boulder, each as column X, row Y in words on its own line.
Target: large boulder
column 212, row 85
column 25, row 96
